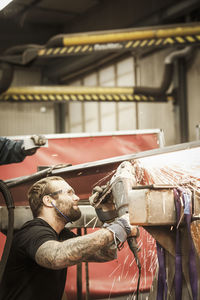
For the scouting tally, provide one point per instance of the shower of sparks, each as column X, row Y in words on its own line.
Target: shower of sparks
column 103, row 179
column 176, row 169
column 179, row 168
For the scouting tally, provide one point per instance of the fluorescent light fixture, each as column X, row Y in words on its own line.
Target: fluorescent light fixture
column 4, row 3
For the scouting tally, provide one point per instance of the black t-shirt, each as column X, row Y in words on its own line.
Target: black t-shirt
column 23, row 278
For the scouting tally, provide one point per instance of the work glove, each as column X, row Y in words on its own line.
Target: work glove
column 105, row 210
column 122, row 230
column 38, row 141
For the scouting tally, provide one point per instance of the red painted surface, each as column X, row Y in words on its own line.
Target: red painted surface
column 118, row 277
column 80, row 150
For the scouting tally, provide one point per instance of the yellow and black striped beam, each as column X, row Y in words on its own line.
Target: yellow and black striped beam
column 73, row 93
column 79, row 44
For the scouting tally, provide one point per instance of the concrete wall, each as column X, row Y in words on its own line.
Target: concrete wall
column 29, row 118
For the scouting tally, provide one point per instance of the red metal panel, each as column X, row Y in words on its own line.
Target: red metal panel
column 77, row 150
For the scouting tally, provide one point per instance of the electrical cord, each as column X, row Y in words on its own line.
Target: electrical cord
column 133, row 248
column 10, row 206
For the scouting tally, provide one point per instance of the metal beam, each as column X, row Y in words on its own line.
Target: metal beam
column 72, row 93
column 23, row 214
column 121, row 40
column 89, row 167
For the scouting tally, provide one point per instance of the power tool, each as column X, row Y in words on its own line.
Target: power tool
column 111, row 201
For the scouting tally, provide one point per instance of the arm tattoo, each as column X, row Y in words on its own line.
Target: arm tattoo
column 108, row 253
column 95, row 246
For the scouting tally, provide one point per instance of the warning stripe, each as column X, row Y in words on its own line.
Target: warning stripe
column 118, row 46
column 73, row 93
column 80, row 97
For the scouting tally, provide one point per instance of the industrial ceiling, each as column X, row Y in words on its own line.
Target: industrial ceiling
column 25, row 22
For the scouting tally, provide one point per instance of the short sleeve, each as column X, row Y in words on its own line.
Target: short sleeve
column 35, row 237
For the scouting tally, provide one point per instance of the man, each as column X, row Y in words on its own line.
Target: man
column 43, row 248
column 12, row 151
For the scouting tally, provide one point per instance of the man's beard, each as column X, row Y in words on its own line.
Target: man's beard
column 74, row 214
column 71, row 214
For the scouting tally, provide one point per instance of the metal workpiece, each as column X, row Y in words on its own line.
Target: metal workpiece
column 151, row 207
column 23, row 214
column 155, row 206
column 196, row 204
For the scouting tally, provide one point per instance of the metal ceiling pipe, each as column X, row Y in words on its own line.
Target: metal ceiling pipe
column 6, row 76
column 18, row 55
column 112, row 36
column 178, row 54
column 21, row 54
column 168, row 74
column 182, row 100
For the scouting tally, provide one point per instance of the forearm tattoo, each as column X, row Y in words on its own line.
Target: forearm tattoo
column 97, row 246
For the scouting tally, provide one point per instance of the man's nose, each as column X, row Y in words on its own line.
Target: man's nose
column 76, row 197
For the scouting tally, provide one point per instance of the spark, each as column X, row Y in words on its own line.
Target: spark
column 132, row 262
column 84, row 219
column 124, row 265
column 95, row 223
column 133, row 279
column 90, row 221
column 115, row 270
column 103, row 178
column 113, row 283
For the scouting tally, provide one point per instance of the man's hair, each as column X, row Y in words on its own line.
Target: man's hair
column 38, row 190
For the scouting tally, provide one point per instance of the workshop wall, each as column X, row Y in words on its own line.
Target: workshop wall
column 29, row 118
column 105, row 116
column 193, row 92
column 156, row 115
column 126, row 116
column 26, row 118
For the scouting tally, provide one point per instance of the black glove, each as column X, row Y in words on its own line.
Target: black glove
column 105, row 211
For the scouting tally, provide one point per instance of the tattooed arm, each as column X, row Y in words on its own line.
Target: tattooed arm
column 109, row 252
column 91, row 247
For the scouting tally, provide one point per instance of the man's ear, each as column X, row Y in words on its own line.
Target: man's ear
column 47, row 200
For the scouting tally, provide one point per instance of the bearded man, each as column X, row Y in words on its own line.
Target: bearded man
column 43, row 248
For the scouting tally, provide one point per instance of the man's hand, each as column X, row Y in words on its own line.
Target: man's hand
column 105, row 211
column 37, row 142
column 134, row 230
